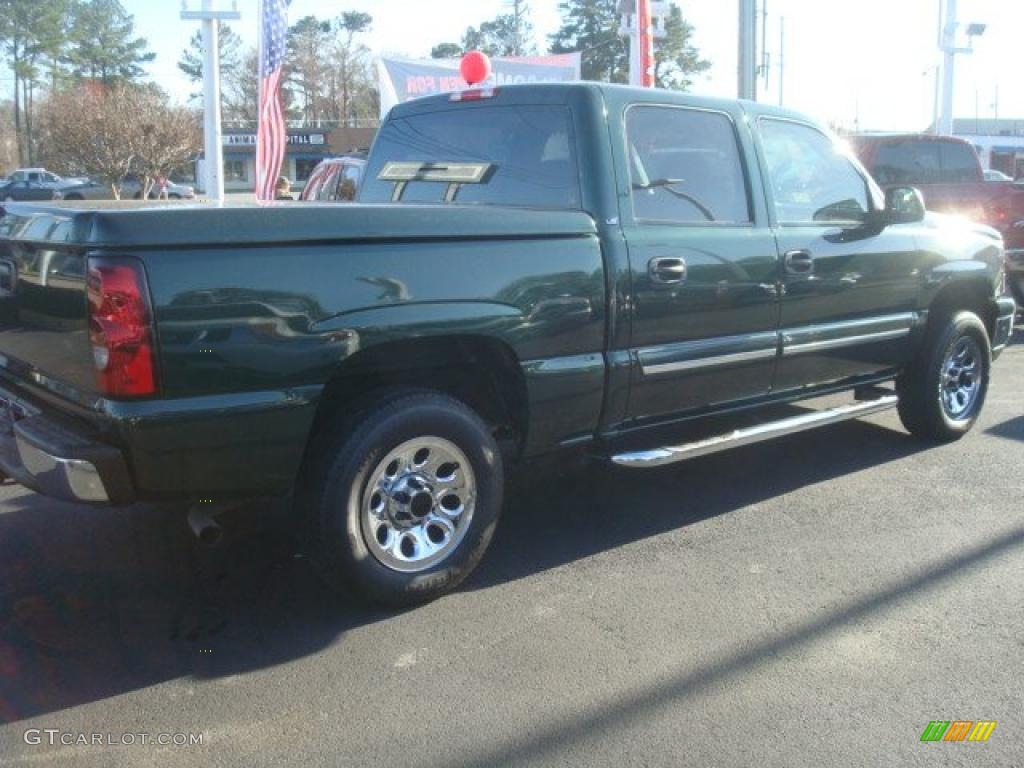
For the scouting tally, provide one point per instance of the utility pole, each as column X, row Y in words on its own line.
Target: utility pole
column 782, row 57
column 947, row 44
column 519, row 10
column 213, row 152
column 746, row 86
column 764, row 69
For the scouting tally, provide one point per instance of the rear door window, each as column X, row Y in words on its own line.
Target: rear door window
column 522, row 155
column 685, row 167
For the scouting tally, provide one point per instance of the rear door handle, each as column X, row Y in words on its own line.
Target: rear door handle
column 799, row 262
column 666, row 270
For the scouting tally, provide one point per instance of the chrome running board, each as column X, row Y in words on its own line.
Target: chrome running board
column 657, row 457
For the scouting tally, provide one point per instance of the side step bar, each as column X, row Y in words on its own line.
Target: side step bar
column 657, row 457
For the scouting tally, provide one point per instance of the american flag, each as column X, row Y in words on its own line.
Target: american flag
column 272, row 133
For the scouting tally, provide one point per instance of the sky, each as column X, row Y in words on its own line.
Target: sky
column 868, row 64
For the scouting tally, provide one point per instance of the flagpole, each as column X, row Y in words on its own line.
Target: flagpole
column 257, row 166
column 213, row 151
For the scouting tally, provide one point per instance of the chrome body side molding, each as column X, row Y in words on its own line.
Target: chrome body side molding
column 849, row 333
column 733, row 350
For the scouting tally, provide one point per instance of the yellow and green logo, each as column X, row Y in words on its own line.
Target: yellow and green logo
column 958, row 730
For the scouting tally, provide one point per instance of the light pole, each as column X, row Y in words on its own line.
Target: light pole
column 947, row 44
column 213, row 153
column 746, row 86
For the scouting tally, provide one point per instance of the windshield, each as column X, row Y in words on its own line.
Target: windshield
column 528, row 152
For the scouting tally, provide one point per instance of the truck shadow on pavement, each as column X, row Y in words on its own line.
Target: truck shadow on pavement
column 99, row 602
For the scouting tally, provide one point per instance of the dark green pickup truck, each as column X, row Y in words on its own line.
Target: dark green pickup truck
column 531, row 269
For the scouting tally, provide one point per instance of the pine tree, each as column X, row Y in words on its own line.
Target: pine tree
column 675, row 57
column 31, row 34
column 102, row 46
column 446, row 51
column 235, row 104
column 592, row 27
column 509, row 34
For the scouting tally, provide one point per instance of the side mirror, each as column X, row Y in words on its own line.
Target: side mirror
column 904, row 205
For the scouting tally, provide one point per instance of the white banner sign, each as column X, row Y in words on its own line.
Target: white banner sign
column 406, row 79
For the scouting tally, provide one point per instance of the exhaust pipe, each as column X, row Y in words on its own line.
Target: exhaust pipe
column 206, row 529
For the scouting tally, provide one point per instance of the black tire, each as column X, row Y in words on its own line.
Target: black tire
column 345, row 459
column 923, row 407
column 74, row 197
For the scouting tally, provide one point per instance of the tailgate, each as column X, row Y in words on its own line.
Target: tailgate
column 44, row 337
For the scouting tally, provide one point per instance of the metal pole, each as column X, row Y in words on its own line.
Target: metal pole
column 214, row 175
column 746, row 84
column 782, row 58
column 764, row 42
column 636, row 75
column 948, row 66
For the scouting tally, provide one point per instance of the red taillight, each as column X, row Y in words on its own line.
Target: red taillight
column 120, row 329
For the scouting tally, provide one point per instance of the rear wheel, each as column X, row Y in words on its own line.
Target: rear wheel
column 943, row 391
column 404, row 499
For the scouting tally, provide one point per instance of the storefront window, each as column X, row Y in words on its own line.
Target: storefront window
column 234, row 170
column 304, row 167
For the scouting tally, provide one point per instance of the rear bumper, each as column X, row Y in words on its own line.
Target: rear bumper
column 1005, row 308
column 59, row 461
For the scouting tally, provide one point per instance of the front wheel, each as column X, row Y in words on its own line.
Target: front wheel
column 943, row 391
column 404, row 499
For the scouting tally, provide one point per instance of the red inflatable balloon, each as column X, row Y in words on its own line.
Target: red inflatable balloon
column 475, row 67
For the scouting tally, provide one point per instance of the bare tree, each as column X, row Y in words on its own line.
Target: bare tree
column 111, row 131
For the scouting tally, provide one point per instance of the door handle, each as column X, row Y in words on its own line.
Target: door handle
column 666, row 270
column 799, row 262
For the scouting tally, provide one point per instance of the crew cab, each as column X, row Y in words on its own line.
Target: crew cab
column 528, row 271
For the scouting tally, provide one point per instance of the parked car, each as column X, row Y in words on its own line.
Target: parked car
column 545, row 269
column 131, row 189
column 27, row 190
column 44, row 177
column 334, row 179
column 994, row 175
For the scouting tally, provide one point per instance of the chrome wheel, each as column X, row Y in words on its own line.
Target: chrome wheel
column 418, row 504
column 961, row 377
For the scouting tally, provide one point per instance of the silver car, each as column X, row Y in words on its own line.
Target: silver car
column 131, row 189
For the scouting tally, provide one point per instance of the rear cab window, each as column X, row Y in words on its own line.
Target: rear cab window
column 924, row 161
column 496, row 155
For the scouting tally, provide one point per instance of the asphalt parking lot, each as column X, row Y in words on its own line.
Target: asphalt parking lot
column 813, row 601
